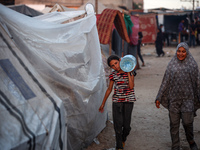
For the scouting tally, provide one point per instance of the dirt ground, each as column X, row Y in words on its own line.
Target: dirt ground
column 150, row 126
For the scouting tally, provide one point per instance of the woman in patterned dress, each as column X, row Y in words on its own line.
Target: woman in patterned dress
column 180, row 94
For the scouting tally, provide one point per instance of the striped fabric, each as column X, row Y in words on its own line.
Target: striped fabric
column 105, row 25
column 122, row 93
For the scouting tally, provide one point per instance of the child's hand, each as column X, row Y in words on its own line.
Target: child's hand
column 101, row 108
column 157, row 104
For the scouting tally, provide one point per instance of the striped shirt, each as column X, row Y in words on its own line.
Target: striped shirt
column 122, row 92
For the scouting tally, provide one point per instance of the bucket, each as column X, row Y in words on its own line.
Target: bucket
column 128, row 63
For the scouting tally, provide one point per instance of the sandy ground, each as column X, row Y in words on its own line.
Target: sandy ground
column 150, row 126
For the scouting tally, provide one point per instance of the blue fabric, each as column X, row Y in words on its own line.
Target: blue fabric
column 12, row 73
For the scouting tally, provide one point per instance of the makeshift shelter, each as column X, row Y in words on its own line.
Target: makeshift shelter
column 67, row 59
column 135, row 29
column 32, row 116
column 171, row 20
column 56, row 7
column 24, row 9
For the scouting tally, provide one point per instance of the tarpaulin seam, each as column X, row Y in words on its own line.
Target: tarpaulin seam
column 19, row 116
column 40, row 86
column 14, row 75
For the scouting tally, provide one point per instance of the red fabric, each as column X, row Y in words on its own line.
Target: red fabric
column 122, row 92
column 148, row 27
column 98, row 16
column 105, row 25
column 135, row 29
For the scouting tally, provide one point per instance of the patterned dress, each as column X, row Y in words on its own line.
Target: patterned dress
column 180, row 88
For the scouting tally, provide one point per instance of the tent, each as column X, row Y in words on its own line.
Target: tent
column 67, row 59
column 24, row 9
column 32, row 116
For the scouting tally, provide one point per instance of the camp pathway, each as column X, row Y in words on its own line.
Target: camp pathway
column 150, row 126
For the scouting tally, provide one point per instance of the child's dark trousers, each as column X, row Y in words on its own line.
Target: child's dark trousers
column 122, row 119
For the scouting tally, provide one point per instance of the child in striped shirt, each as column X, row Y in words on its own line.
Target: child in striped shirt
column 123, row 99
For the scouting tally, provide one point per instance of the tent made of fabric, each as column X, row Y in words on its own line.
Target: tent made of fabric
column 32, row 116
column 67, row 57
column 176, row 18
column 135, row 29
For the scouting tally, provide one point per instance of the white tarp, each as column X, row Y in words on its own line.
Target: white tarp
column 32, row 116
column 68, row 58
column 26, row 10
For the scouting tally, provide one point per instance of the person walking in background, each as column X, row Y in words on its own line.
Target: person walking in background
column 198, row 33
column 123, row 100
column 192, row 29
column 165, row 34
column 180, row 30
column 180, row 94
column 140, row 36
column 159, row 43
column 196, row 20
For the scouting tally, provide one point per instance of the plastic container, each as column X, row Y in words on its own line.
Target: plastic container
column 128, row 63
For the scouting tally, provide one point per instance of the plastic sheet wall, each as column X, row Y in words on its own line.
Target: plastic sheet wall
column 68, row 58
column 32, row 116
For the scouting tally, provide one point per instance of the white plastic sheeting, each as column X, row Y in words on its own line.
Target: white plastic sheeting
column 32, row 116
column 68, row 58
column 26, row 10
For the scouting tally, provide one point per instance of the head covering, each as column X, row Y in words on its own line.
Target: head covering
column 184, row 45
column 181, row 82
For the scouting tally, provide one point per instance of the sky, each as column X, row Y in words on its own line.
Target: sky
column 172, row 4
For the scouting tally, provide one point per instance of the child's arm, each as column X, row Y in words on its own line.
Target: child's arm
column 130, row 80
column 108, row 91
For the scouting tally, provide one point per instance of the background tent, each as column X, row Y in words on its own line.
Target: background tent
column 68, row 58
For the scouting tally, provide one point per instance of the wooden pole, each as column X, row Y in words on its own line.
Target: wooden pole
column 110, row 44
column 122, row 39
column 96, row 6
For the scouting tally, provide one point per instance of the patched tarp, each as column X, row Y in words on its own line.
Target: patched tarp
column 68, row 59
column 32, row 116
